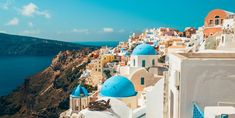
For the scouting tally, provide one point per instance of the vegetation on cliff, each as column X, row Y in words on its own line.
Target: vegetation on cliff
column 11, row 45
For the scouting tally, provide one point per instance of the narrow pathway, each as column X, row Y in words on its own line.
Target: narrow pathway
column 42, row 92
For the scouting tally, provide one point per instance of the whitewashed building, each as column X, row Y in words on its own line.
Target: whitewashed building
column 197, row 85
column 142, row 69
column 200, row 79
column 118, row 110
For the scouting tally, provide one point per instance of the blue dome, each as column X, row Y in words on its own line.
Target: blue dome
column 144, row 49
column 118, row 86
column 79, row 91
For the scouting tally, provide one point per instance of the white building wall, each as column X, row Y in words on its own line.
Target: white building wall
column 176, row 50
column 234, row 26
column 175, row 66
column 228, row 23
column 227, row 42
column 139, row 112
column 234, row 23
column 155, row 101
column 148, row 60
column 124, row 70
column 200, row 37
column 213, row 111
column 198, row 40
column 207, row 82
column 204, row 81
column 127, row 70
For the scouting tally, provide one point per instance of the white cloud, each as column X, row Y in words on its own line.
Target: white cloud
column 29, row 10
column 13, row 22
column 108, row 30
column 43, row 13
column 80, row 30
column 6, row 4
column 32, row 9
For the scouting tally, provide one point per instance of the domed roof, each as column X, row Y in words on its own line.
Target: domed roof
column 118, row 86
column 144, row 49
column 79, row 91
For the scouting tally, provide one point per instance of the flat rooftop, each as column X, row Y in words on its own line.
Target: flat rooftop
column 207, row 55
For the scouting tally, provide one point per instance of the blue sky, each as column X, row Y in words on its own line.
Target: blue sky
column 101, row 20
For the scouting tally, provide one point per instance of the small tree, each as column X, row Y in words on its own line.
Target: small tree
column 211, row 44
column 107, row 73
column 162, row 59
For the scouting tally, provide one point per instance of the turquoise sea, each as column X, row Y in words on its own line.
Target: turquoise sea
column 13, row 70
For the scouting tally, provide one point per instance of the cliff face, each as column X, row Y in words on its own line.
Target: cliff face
column 46, row 94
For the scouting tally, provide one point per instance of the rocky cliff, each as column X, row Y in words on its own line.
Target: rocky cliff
column 46, row 94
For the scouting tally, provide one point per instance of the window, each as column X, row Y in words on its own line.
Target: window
column 134, row 62
column 171, row 104
column 217, row 22
column 211, row 22
column 221, row 21
column 143, row 63
column 153, row 62
column 222, row 39
column 142, row 80
column 217, row 17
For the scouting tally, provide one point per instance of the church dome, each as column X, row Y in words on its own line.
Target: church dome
column 79, row 91
column 144, row 49
column 118, row 86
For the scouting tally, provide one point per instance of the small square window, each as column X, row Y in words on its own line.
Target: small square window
column 143, row 63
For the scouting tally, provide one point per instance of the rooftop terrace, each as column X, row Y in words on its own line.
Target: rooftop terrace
column 214, row 55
